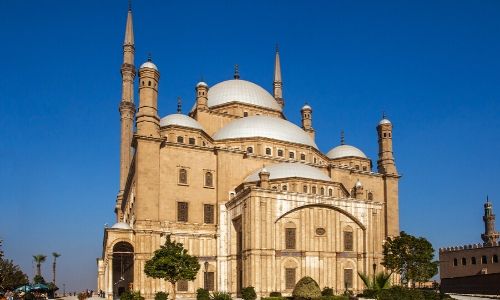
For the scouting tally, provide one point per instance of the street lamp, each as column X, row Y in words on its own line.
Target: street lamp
column 206, row 274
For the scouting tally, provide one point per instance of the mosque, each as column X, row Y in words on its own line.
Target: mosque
column 245, row 190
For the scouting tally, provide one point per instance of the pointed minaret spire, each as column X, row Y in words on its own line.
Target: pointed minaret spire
column 342, row 138
column 179, row 105
column 129, row 28
column 277, row 83
column 236, row 72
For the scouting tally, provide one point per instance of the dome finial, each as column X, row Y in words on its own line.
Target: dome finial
column 236, row 72
column 149, row 57
column 277, row 48
column 179, row 105
column 130, row 5
column 342, row 138
column 383, row 115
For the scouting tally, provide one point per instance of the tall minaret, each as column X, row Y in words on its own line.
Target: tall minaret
column 306, row 113
column 277, row 83
column 489, row 236
column 127, row 107
column 385, row 156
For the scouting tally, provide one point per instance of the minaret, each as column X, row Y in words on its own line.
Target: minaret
column 148, row 141
column 489, row 236
column 202, row 95
column 385, row 156
column 306, row 113
column 127, row 107
column 277, row 83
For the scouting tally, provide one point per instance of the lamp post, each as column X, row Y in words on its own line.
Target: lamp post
column 205, row 284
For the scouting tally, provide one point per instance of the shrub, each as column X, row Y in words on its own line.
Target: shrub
column 161, row 296
column 272, row 298
column 275, row 294
column 306, row 288
column 202, row 294
column 127, row 296
column 327, row 291
column 83, row 296
column 220, row 296
column 369, row 293
column 400, row 293
column 248, row 293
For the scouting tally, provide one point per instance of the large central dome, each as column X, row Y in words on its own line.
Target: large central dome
column 243, row 91
column 265, row 126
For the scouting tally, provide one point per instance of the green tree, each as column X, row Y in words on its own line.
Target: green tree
column 1, row 251
column 11, row 275
column 411, row 257
column 381, row 280
column 39, row 259
column 172, row 263
column 55, row 255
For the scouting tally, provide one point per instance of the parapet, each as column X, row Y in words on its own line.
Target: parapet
column 467, row 247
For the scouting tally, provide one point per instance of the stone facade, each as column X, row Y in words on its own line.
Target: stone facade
column 258, row 207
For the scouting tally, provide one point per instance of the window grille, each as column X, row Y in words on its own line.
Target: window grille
column 348, row 278
column 348, row 241
column 182, row 211
column 208, row 213
column 290, row 238
column 182, row 286
column 183, row 176
column 209, row 179
column 290, row 278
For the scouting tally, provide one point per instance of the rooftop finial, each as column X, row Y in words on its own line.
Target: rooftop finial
column 277, row 47
column 149, row 57
column 130, row 5
column 342, row 138
column 383, row 115
column 487, row 199
column 236, row 72
column 179, row 105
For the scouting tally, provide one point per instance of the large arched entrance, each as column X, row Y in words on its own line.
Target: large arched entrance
column 123, row 268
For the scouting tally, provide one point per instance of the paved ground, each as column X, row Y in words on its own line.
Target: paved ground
column 459, row 297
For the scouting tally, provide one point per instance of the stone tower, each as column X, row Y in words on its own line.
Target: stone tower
column 277, row 83
column 385, row 156
column 148, row 145
column 306, row 112
column 490, row 236
column 126, row 108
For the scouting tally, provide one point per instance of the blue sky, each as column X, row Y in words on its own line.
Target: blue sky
column 432, row 66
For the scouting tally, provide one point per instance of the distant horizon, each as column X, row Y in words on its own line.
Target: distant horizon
column 433, row 68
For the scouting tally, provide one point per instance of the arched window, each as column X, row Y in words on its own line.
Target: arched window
column 280, row 152
column 464, row 261
column 473, row 260
column 370, row 196
column 348, row 239
column 268, row 151
column 291, row 155
column 209, row 180
column 290, row 236
column 192, row 141
column 302, row 156
column 183, row 176
column 455, row 262
column 330, row 192
column 495, row 259
column 180, row 139
column 304, row 189
column 250, row 150
column 245, row 114
column 313, row 190
column 284, row 187
column 322, row 191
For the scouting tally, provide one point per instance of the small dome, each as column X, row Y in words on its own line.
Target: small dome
column 149, row 65
column 121, row 225
column 345, row 151
column 264, row 126
column 201, row 83
column 288, row 170
column 306, row 106
column 180, row 120
column 241, row 91
column 384, row 121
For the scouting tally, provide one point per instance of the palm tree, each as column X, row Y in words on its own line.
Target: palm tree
column 39, row 259
column 55, row 255
column 380, row 281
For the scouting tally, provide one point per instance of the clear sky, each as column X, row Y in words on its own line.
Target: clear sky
column 432, row 66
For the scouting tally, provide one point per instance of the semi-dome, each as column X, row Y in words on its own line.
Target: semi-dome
column 306, row 106
column 241, row 91
column 149, row 64
column 288, row 170
column 201, row 83
column 267, row 127
column 345, row 151
column 121, row 225
column 180, row 120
